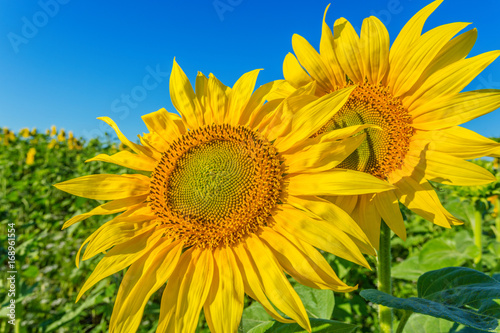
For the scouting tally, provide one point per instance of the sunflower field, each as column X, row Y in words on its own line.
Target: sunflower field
column 343, row 198
column 48, row 281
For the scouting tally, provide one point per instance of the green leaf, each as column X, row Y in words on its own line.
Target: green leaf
column 70, row 315
column 317, row 325
column 419, row 323
column 318, row 303
column 408, row 269
column 435, row 254
column 262, row 327
column 89, row 302
column 463, row 210
column 465, row 244
column 30, row 272
column 494, row 248
column 256, row 320
column 454, row 293
column 457, row 285
column 439, row 253
column 253, row 316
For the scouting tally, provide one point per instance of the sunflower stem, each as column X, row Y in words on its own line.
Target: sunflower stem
column 403, row 321
column 384, row 277
column 497, row 218
column 478, row 230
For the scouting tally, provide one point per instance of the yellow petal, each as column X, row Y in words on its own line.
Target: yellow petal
column 323, row 209
column 171, row 293
column 420, row 56
column 106, row 187
column 323, row 156
column 374, row 47
column 193, row 290
column 111, row 207
column 448, row 81
column 183, row 97
column 251, row 115
column 314, row 259
column 225, row 300
column 240, row 95
column 294, row 73
column 167, row 125
column 133, row 229
column 318, row 233
column 346, row 202
column 460, row 142
column 278, row 123
column 443, row 168
column 282, row 89
column 336, row 182
column 117, row 231
column 309, row 119
column 155, row 143
column 254, row 286
column 201, row 88
column 311, row 60
column 276, row 286
column 457, row 110
column 300, row 266
column 142, row 279
column 366, row 215
column 347, row 50
column 267, row 112
column 388, row 207
column 338, row 134
column 326, row 49
column 135, row 147
column 120, row 257
column 420, row 197
column 456, row 49
column 128, row 160
column 217, row 99
column 409, row 34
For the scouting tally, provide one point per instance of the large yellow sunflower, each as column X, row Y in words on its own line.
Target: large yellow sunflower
column 230, row 203
column 412, row 92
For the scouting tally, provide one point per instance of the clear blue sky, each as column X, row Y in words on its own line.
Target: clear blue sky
column 69, row 63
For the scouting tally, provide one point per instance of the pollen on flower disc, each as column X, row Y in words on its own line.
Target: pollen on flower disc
column 385, row 147
column 216, row 184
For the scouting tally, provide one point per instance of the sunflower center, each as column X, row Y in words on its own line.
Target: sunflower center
column 384, row 149
column 211, row 180
column 216, row 184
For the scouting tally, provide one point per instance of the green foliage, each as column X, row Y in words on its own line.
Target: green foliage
column 317, row 325
column 48, row 280
column 458, row 294
column 419, row 323
column 435, row 254
column 319, row 305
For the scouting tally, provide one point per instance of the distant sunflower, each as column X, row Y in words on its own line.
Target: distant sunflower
column 30, row 156
column 25, row 132
column 411, row 91
column 61, row 137
column 230, row 203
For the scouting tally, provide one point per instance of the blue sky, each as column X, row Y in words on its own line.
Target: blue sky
column 66, row 62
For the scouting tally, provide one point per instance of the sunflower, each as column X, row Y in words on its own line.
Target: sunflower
column 412, row 92
column 30, row 156
column 61, row 137
column 25, row 132
column 229, row 202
